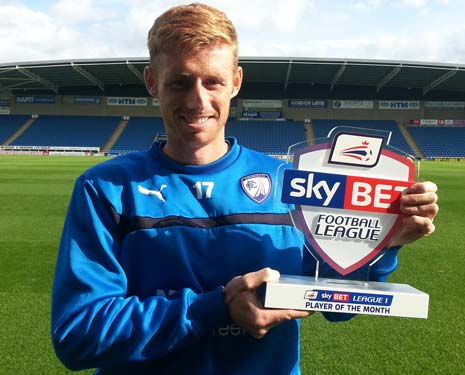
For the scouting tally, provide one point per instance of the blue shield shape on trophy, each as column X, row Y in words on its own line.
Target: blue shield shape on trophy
column 346, row 195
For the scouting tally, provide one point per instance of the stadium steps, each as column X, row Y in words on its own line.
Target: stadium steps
column 18, row 132
column 309, row 133
column 410, row 141
column 116, row 134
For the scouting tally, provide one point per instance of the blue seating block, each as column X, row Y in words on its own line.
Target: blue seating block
column 9, row 124
column 440, row 142
column 268, row 136
column 74, row 131
column 138, row 134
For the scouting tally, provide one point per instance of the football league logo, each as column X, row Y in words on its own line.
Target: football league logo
column 362, row 152
column 257, row 186
column 352, row 149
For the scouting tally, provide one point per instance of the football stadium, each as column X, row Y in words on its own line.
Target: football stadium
column 57, row 118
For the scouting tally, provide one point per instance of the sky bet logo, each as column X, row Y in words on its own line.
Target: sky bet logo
column 349, row 297
column 328, row 190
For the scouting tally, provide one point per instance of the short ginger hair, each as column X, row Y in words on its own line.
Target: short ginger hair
column 190, row 28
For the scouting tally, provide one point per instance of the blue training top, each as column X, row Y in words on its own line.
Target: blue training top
column 148, row 245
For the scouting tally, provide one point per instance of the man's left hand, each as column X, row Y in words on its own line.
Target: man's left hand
column 419, row 204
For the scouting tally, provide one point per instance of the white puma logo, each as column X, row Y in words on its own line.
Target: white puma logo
column 157, row 193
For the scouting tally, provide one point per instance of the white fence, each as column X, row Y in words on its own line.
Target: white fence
column 49, row 150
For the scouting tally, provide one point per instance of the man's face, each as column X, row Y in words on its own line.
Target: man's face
column 194, row 91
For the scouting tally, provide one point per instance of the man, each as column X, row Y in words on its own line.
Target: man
column 162, row 251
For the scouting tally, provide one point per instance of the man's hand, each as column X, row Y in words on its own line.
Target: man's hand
column 419, row 203
column 246, row 310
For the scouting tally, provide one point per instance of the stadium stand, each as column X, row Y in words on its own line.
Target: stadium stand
column 272, row 137
column 268, row 136
column 138, row 134
column 9, row 124
column 321, row 129
column 301, row 89
column 440, row 142
column 77, row 131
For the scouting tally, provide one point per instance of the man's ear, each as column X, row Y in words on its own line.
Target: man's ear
column 150, row 81
column 237, row 82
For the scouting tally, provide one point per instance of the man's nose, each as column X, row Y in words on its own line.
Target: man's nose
column 197, row 95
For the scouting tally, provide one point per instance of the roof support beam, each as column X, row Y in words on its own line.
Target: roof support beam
column 388, row 77
column 288, row 74
column 7, row 70
column 38, row 79
column 20, row 84
column 16, row 83
column 439, row 80
column 136, row 71
column 15, row 79
column 88, row 76
column 338, row 75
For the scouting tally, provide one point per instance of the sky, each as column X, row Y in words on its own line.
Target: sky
column 407, row 30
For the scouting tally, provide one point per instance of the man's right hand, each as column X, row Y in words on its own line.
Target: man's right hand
column 245, row 310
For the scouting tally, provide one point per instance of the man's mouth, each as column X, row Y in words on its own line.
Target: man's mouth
column 196, row 120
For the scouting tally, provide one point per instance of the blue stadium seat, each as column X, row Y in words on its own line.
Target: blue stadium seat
column 74, row 131
column 138, row 134
column 440, row 142
column 9, row 124
column 268, row 136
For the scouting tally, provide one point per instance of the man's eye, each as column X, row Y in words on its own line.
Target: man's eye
column 212, row 82
column 178, row 83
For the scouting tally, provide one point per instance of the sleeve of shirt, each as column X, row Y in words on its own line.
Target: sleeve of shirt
column 377, row 272
column 94, row 322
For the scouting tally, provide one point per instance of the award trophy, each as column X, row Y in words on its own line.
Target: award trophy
column 345, row 190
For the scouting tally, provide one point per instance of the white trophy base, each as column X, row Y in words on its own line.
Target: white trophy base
column 346, row 296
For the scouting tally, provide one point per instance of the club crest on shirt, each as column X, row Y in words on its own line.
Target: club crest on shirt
column 257, row 186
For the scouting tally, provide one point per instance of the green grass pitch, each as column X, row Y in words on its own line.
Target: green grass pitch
column 34, row 195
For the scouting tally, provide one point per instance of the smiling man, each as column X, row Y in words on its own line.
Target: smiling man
column 194, row 84
column 163, row 250
column 195, row 91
